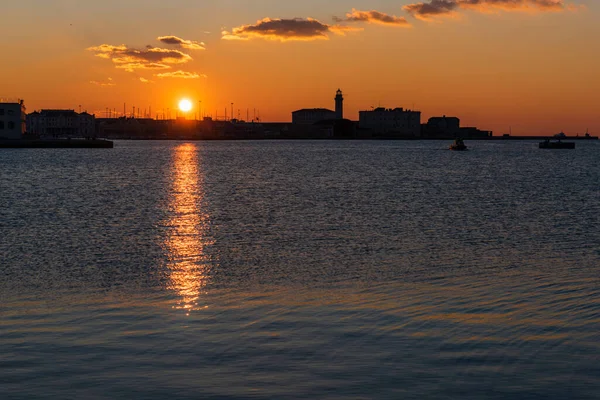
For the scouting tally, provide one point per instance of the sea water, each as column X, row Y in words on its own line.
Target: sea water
column 300, row 269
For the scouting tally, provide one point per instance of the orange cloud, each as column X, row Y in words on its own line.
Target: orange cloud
column 375, row 17
column 445, row 8
column 131, row 67
column 180, row 74
column 286, row 30
column 107, row 49
column 108, row 83
column 131, row 59
column 432, row 9
column 179, row 42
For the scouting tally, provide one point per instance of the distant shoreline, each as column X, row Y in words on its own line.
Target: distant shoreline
column 494, row 138
column 108, row 142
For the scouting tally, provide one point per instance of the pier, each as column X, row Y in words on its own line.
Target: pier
column 56, row 144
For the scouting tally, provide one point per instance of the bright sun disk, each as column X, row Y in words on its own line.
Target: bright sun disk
column 185, row 105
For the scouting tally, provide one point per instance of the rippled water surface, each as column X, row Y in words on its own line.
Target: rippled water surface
column 262, row 270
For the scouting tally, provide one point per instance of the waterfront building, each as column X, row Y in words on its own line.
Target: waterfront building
column 395, row 122
column 474, row 133
column 310, row 116
column 449, row 128
column 441, row 127
column 12, row 119
column 61, row 123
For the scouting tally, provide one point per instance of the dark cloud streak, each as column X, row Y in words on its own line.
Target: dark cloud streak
column 373, row 16
column 131, row 59
column 182, row 43
column 285, row 30
column 435, row 8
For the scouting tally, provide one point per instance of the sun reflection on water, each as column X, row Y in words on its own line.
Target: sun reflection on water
column 186, row 238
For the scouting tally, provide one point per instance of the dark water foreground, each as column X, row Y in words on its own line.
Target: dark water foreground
column 300, row 270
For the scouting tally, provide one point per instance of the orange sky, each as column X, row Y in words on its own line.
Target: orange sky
column 532, row 68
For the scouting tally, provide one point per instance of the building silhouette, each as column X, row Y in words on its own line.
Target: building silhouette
column 310, row 116
column 448, row 128
column 339, row 105
column 61, row 123
column 396, row 122
column 12, row 119
column 441, row 127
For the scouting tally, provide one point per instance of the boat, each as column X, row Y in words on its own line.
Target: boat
column 557, row 143
column 458, row 145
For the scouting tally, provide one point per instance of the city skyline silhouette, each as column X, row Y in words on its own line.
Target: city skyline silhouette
column 520, row 66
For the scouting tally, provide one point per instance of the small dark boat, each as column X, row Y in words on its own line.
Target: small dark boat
column 458, row 145
column 547, row 144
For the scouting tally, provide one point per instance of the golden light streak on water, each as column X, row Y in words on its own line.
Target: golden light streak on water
column 186, row 238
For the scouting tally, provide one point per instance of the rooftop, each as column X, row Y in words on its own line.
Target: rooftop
column 313, row 109
column 70, row 113
column 397, row 109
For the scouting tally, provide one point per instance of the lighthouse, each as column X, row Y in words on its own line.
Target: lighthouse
column 339, row 105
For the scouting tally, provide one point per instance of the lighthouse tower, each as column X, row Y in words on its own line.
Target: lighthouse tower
column 339, row 105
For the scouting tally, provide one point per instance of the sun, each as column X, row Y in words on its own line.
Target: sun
column 185, row 105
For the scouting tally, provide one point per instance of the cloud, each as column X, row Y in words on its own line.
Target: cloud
column 343, row 29
column 286, row 30
column 437, row 8
column 432, row 9
column 131, row 67
column 144, row 80
column 179, row 42
column 180, row 74
column 107, row 48
column 375, row 17
column 514, row 5
column 131, row 59
column 108, row 83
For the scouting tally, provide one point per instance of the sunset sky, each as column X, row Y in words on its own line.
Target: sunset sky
column 527, row 64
